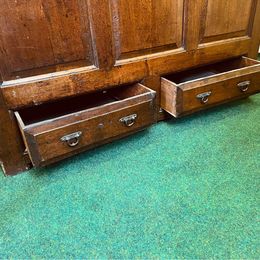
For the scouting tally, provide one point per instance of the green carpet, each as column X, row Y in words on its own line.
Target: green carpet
column 186, row 188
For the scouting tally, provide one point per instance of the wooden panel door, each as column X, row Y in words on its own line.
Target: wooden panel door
column 225, row 20
column 147, row 26
column 39, row 36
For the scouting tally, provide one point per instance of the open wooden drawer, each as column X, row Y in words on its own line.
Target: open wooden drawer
column 57, row 130
column 189, row 91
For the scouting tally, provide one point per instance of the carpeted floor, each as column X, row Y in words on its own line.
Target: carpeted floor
column 186, row 188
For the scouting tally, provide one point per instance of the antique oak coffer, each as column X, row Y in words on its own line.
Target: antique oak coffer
column 75, row 74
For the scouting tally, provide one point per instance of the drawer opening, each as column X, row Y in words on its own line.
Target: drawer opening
column 64, row 107
column 211, row 70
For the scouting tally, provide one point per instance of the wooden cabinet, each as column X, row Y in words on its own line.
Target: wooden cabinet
column 54, row 51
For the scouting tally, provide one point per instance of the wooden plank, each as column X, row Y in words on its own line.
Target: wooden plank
column 193, row 15
column 253, row 69
column 154, row 82
column 255, row 34
column 169, row 93
column 209, row 53
column 101, row 29
column 12, row 158
column 53, row 88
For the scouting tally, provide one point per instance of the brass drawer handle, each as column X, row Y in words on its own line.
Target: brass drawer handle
column 204, row 97
column 128, row 120
column 243, row 86
column 72, row 140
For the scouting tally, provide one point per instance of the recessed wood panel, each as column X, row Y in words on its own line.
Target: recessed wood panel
column 226, row 19
column 41, row 33
column 146, row 26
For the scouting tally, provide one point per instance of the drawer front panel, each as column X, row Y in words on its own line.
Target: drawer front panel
column 72, row 138
column 201, row 97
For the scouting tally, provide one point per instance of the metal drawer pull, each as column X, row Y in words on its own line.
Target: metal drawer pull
column 72, row 140
column 128, row 120
column 204, row 97
column 243, row 86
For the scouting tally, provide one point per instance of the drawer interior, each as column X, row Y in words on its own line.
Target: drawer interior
column 211, row 70
column 60, row 108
